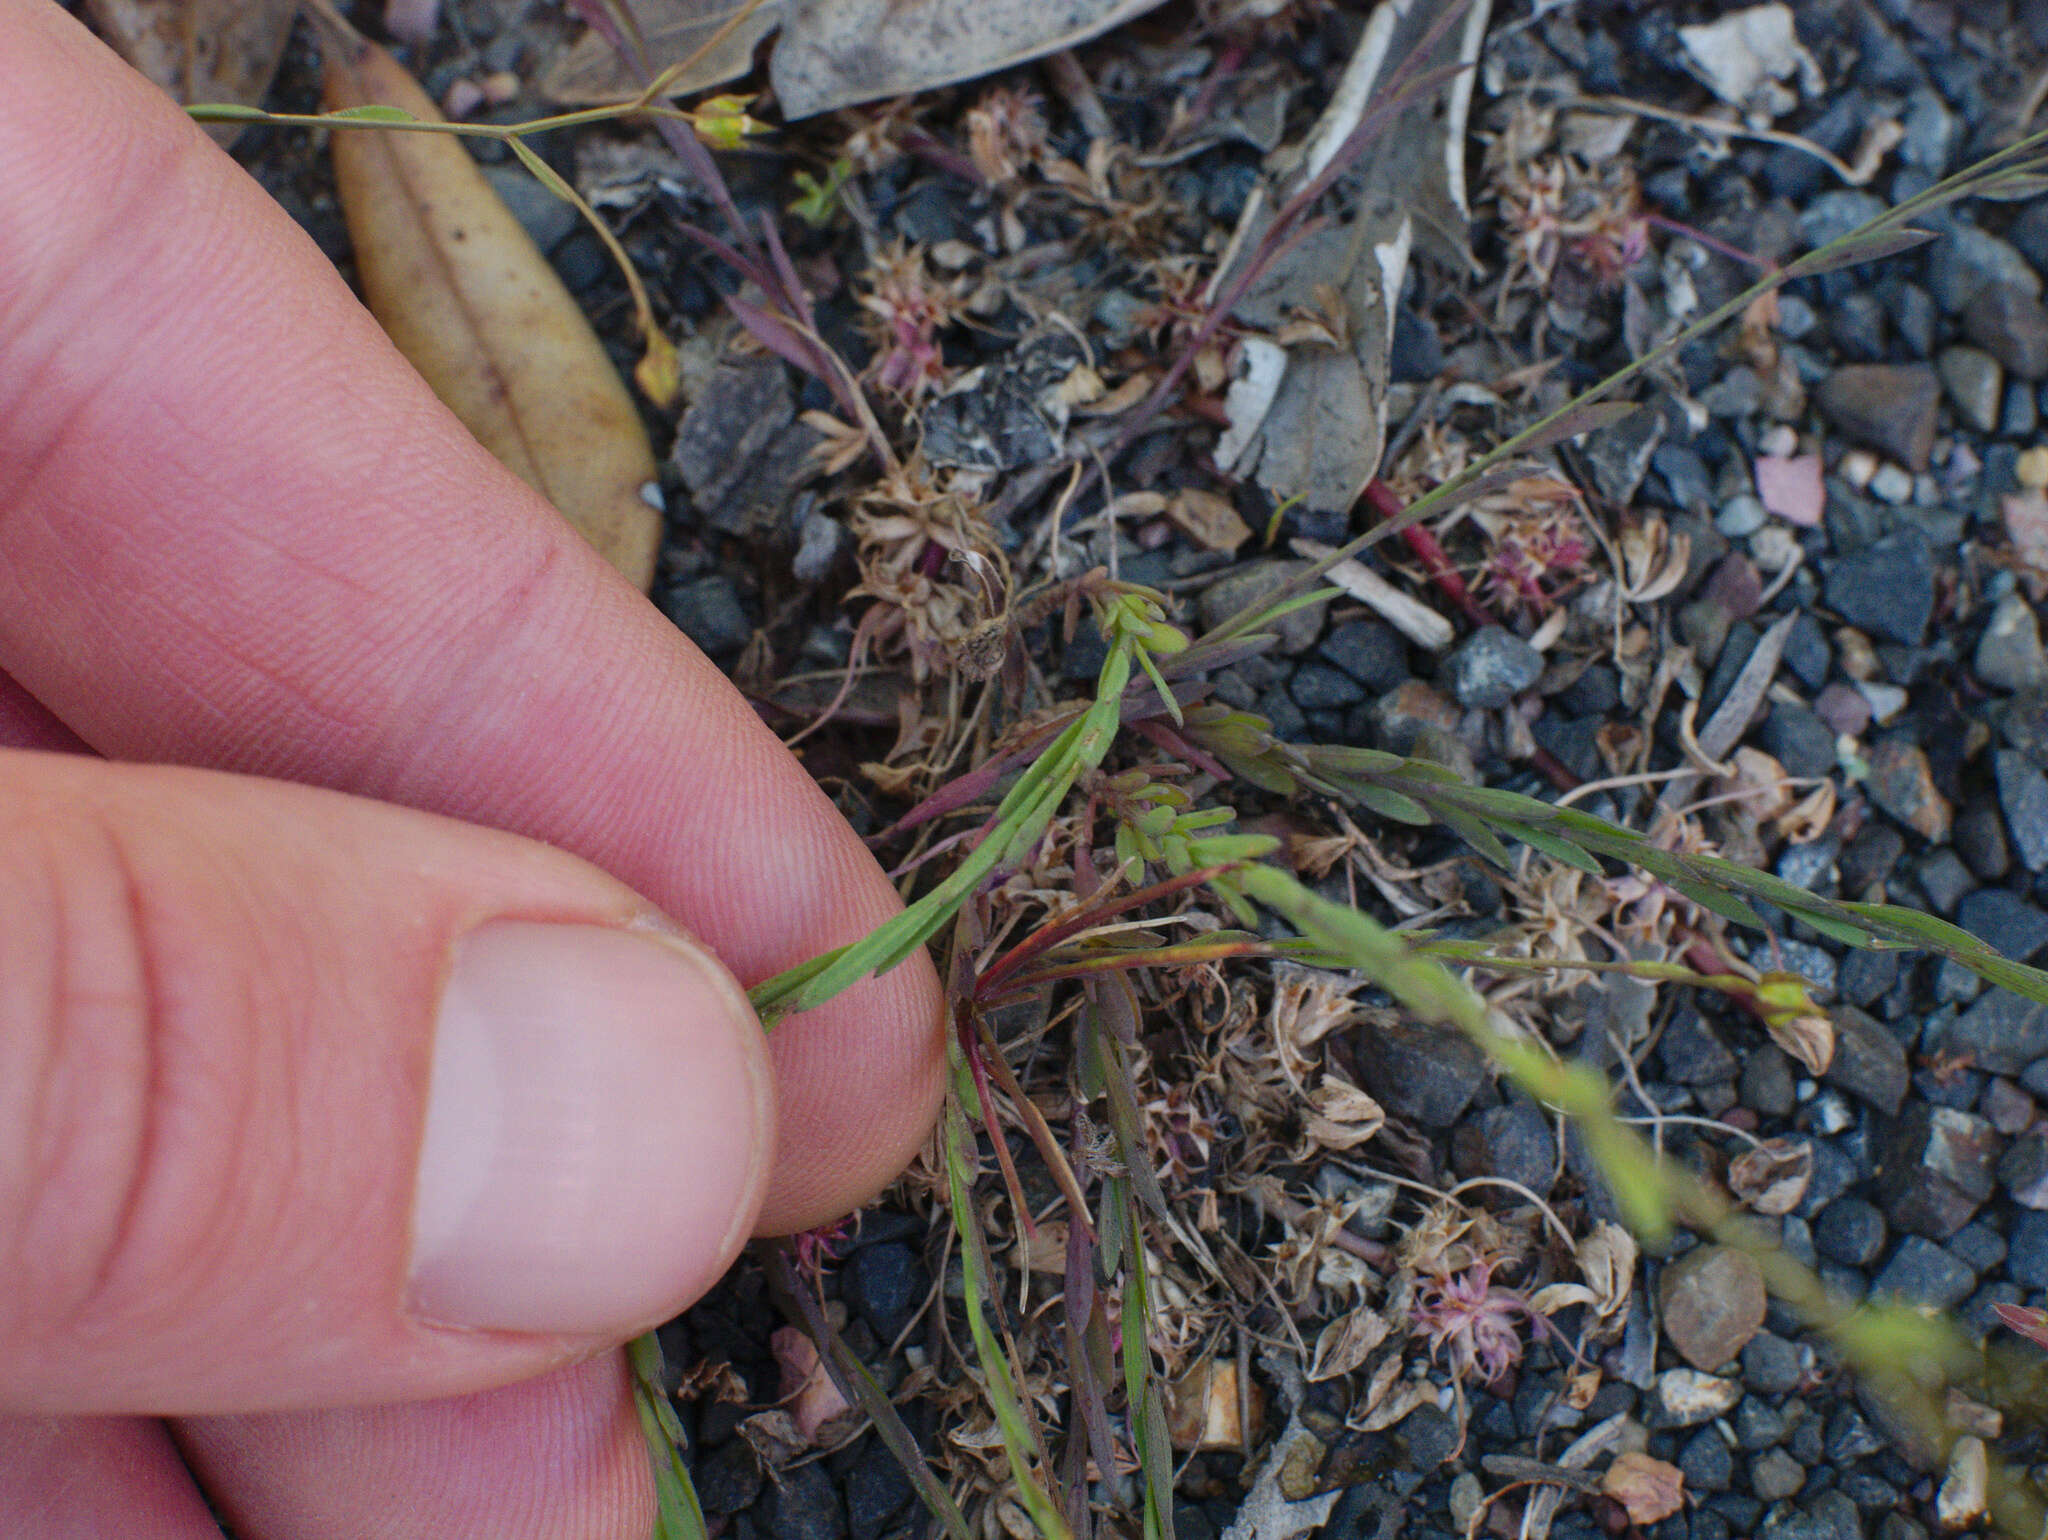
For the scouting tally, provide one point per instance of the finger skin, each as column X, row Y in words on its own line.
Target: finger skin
column 84, row 1478
column 218, row 999
column 557, row 1458
column 236, row 530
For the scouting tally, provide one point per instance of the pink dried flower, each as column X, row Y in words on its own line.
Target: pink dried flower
column 1466, row 1314
column 815, row 1249
column 1536, row 557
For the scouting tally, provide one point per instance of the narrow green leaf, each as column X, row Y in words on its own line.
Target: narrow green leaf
column 376, row 112
column 1478, row 836
column 1557, row 849
column 1715, row 901
column 1864, row 246
column 224, row 112
column 1835, row 928
column 1389, row 803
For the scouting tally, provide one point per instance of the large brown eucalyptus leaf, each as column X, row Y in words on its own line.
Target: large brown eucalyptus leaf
column 470, row 300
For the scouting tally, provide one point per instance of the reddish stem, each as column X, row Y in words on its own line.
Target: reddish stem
column 1424, row 545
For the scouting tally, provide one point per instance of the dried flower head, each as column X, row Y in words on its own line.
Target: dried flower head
column 1005, row 133
column 1475, row 1322
column 907, row 307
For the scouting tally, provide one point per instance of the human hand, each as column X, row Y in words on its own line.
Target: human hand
column 374, row 1268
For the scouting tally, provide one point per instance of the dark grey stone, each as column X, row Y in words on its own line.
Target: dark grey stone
column 1771, row 1366
column 884, row 1284
column 1869, row 1062
column 1370, row 651
column 729, row 1479
column 1421, row 1073
column 1916, row 316
column 1980, row 840
column 2002, row 1033
column 2023, row 1170
column 1865, row 976
column 1886, row 588
column 1977, row 1246
column 1618, row 456
column 1693, row 1052
column 741, row 449
column 876, row 1491
column 1767, row 1085
column 1976, row 385
column 1968, row 261
column 1512, row 1141
column 1321, row 687
column 1850, row 1231
column 2023, row 795
column 707, row 610
column 1922, row 1273
column 1774, row 1475
column 2019, row 416
column 1798, row 740
column 1935, row 1168
column 1250, row 583
column 802, row 1505
column 1944, row 879
column 2026, row 1250
column 1490, row 668
column 1706, row 1461
column 1808, row 653
column 2005, row 922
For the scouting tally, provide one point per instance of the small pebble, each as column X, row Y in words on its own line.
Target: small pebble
column 1857, row 467
column 1740, row 516
column 1892, row 484
column 2032, row 469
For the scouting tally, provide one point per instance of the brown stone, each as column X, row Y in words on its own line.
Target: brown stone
column 1902, row 784
column 1713, row 1302
column 1890, row 407
column 2012, row 326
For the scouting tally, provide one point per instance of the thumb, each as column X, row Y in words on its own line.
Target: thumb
column 307, row 1100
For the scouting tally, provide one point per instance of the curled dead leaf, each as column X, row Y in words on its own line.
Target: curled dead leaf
column 1649, row 1490
column 1343, row 1117
column 1794, row 1022
column 1347, row 1342
column 1607, row 1263
column 1211, row 521
column 469, row 299
column 1772, row 1177
column 1653, row 558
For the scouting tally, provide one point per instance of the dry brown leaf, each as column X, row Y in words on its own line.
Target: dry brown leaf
column 1342, row 1117
column 470, row 300
column 836, row 53
column 1607, row 1262
column 1210, row 520
column 1347, row 1342
column 1648, row 1488
column 1772, row 1177
column 201, row 50
column 1807, row 1037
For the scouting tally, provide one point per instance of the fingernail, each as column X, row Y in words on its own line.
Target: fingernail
column 597, row 1131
